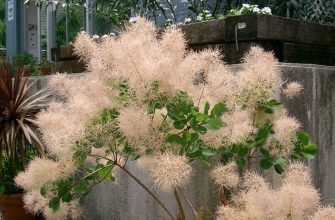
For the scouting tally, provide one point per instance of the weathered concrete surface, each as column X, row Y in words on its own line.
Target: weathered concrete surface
column 315, row 108
column 265, row 27
column 208, row 32
column 126, row 200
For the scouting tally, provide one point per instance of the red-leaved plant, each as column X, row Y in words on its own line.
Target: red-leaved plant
column 18, row 135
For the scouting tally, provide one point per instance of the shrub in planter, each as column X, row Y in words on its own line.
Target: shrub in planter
column 246, row 9
column 45, row 67
column 19, row 139
column 147, row 99
column 29, row 62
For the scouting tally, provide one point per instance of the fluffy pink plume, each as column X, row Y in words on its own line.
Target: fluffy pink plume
column 292, row 90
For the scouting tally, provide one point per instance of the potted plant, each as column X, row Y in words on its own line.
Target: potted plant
column 19, row 139
column 29, row 63
column 291, row 40
column 45, row 67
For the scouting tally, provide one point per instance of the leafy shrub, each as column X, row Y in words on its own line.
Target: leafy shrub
column 148, row 100
column 318, row 11
column 27, row 61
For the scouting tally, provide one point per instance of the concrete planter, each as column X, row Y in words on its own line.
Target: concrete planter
column 65, row 60
column 64, row 52
column 11, row 207
column 292, row 41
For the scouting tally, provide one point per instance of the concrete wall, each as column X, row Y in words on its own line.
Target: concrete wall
column 315, row 108
column 126, row 200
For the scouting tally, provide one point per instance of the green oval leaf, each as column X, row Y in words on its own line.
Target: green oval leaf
column 215, row 123
column 200, row 117
column 54, row 203
column 174, row 139
column 179, row 124
column 236, row 148
column 206, row 108
column 209, row 151
column 240, row 162
column 219, row 109
column 265, row 164
column 43, row 192
column 243, row 151
column 279, row 168
column 310, row 149
column 265, row 153
column 303, row 138
column 201, row 129
column 279, row 161
column 67, row 197
column 81, row 187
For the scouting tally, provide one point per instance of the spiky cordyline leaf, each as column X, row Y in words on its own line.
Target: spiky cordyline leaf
column 17, row 114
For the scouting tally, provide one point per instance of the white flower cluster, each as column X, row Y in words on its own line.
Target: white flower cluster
column 204, row 16
column 247, row 8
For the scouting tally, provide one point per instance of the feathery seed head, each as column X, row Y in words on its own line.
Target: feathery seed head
column 170, row 171
column 292, row 90
column 226, row 175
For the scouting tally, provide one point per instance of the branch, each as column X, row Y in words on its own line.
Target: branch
column 96, row 183
column 90, row 174
column 115, row 163
column 181, row 214
column 201, row 96
column 146, row 189
column 172, row 11
column 189, row 202
column 223, row 197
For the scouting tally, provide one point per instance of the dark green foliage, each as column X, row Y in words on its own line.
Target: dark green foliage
column 75, row 24
column 269, row 106
column 54, row 203
column 28, row 62
column 62, row 192
column 108, row 125
column 10, row 168
column 243, row 153
column 110, row 14
column 303, row 148
column 157, row 99
column 66, row 190
column 131, row 152
column 262, row 134
column 317, row 11
column 2, row 33
column 125, row 93
column 192, row 123
column 75, row 187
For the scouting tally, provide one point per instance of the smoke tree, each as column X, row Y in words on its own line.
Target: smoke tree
column 148, row 99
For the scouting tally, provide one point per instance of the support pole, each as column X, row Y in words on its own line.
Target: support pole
column 39, row 35
column 67, row 18
column 89, row 16
column 14, row 22
column 50, row 30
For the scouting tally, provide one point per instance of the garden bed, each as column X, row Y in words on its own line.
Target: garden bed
column 292, row 41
